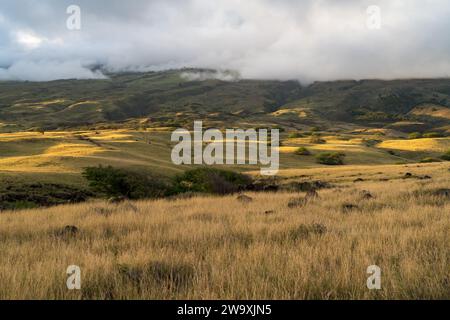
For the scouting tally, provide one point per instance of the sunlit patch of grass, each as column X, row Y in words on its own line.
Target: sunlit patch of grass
column 297, row 112
column 285, row 149
column 426, row 144
column 72, row 150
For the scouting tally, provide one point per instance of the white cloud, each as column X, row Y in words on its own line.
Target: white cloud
column 207, row 75
column 287, row 39
column 47, row 71
column 29, row 40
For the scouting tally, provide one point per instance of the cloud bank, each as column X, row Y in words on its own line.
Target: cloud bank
column 289, row 39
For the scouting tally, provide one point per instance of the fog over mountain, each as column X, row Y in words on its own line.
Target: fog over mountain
column 305, row 40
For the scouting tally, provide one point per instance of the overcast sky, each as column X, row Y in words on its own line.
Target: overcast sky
column 285, row 39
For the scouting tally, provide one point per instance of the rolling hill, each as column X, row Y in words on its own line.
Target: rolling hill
column 168, row 98
column 50, row 131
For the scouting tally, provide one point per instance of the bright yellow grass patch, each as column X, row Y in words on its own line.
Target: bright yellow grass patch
column 428, row 144
column 72, row 150
column 50, row 160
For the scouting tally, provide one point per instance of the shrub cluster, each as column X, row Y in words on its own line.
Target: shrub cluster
column 209, row 180
column 429, row 160
column 418, row 135
column 294, row 135
column 415, row 135
column 116, row 182
column 433, row 135
column 302, row 151
column 330, row 158
column 446, row 156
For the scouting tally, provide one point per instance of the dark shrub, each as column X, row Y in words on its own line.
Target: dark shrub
column 331, row 158
column 295, row 135
column 415, row 135
column 32, row 195
column 446, row 156
column 302, row 151
column 432, row 135
column 114, row 182
column 305, row 186
column 209, row 180
column 370, row 142
column 429, row 160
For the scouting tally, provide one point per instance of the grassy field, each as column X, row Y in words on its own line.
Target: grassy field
column 220, row 247
column 67, row 152
column 276, row 246
column 59, row 157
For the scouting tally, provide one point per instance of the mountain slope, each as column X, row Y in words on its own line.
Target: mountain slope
column 169, row 99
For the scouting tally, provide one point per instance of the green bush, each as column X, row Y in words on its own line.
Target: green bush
column 114, row 182
column 330, row 158
column 415, row 135
column 370, row 142
column 446, row 156
column 432, row 135
column 302, row 151
column 429, row 160
column 294, row 135
column 210, row 180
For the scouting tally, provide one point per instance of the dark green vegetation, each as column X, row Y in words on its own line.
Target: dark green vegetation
column 446, row 156
column 209, row 180
column 114, row 182
column 330, row 158
column 302, row 151
column 429, row 160
column 33, row 195
column 156, row 99
column 118, row 183
column 415, row 135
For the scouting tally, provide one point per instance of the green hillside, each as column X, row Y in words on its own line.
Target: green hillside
column 156, row 99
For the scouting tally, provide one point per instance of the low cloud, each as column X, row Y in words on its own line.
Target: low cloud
column 288, row 39
column 47, row 71
column 209, row 74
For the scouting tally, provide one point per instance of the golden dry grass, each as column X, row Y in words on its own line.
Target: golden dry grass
column 220, row 248
column 426, row 144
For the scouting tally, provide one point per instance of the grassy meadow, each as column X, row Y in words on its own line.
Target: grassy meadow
column 381, row 208
column 68, row 152
column 263, row 248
